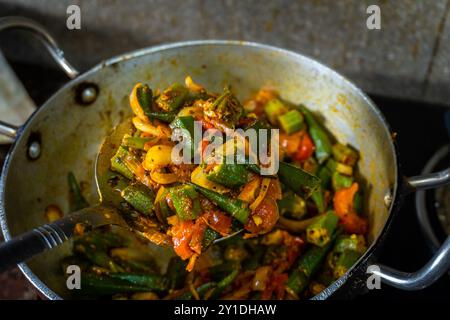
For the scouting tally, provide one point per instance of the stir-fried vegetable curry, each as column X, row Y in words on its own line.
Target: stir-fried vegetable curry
column 296, row 231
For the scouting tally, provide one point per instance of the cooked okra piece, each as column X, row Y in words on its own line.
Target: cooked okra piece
column 292, row 206
column 321, row 230
column 291, row 121
column 340, row 181
column 152, row 282
column 298, row 180
column 186, row 202
column 273, row 109
column 118, row 163
column 139, row 197
column 345, row 154
column 238, row 209
column 229, row 175
column 319, row 136
column 173, row 97
column 308, row 265
column 135, row 142
column 186, row 123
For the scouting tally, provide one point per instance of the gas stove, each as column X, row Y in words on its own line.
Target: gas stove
column 421, row 131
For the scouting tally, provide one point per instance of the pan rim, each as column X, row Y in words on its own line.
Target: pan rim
column 50, row 294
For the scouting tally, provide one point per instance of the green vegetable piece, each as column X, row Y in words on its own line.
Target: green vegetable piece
column 201, row 290
column 102, row 285
column 224, row 283
column 318, row 196
column 273, row 109
column 186, row 202
column 236, row 208
column 358, row 202
column 350, row 242
column 79, row 202
column 291, row 121
column 345, row 154
column 139, row 197
column 344, row 262
column 340, row 181
column 176, row 272
column 172, row 98
column 95, row 245
column 144, row 97
column 321, row 230
column 135, row 142
column 292, row 206
column 254, row 260
column 166, row 117
column 307, row 266
column 185, row 123
column 225, row 110
column 118, row 163
column 152, row 282
column 325, row 176
column 229, row 175
column 298, row 180
column 318, row 135
column 209, row 236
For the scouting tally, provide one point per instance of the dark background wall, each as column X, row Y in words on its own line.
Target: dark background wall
column 408, row 58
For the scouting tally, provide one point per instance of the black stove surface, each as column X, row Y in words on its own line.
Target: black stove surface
column 420, row 132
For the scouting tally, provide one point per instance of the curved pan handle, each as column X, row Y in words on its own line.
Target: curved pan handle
column 13, row 97
column 439, row 263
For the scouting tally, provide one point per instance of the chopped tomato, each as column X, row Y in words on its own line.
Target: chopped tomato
column 306, row 147
column 275, row 286
column 181, row 237
column 299, row 146
column 264, row 217
column 198, row 231
column 343, row 205
column 290, row 143
column 219, row 222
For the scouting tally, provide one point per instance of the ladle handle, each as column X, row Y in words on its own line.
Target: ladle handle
column 31, row 243
column 51, row 235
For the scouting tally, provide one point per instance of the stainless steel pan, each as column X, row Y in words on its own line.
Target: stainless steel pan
column 64, row 135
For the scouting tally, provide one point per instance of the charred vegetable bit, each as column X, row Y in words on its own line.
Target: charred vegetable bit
column 300, row 228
